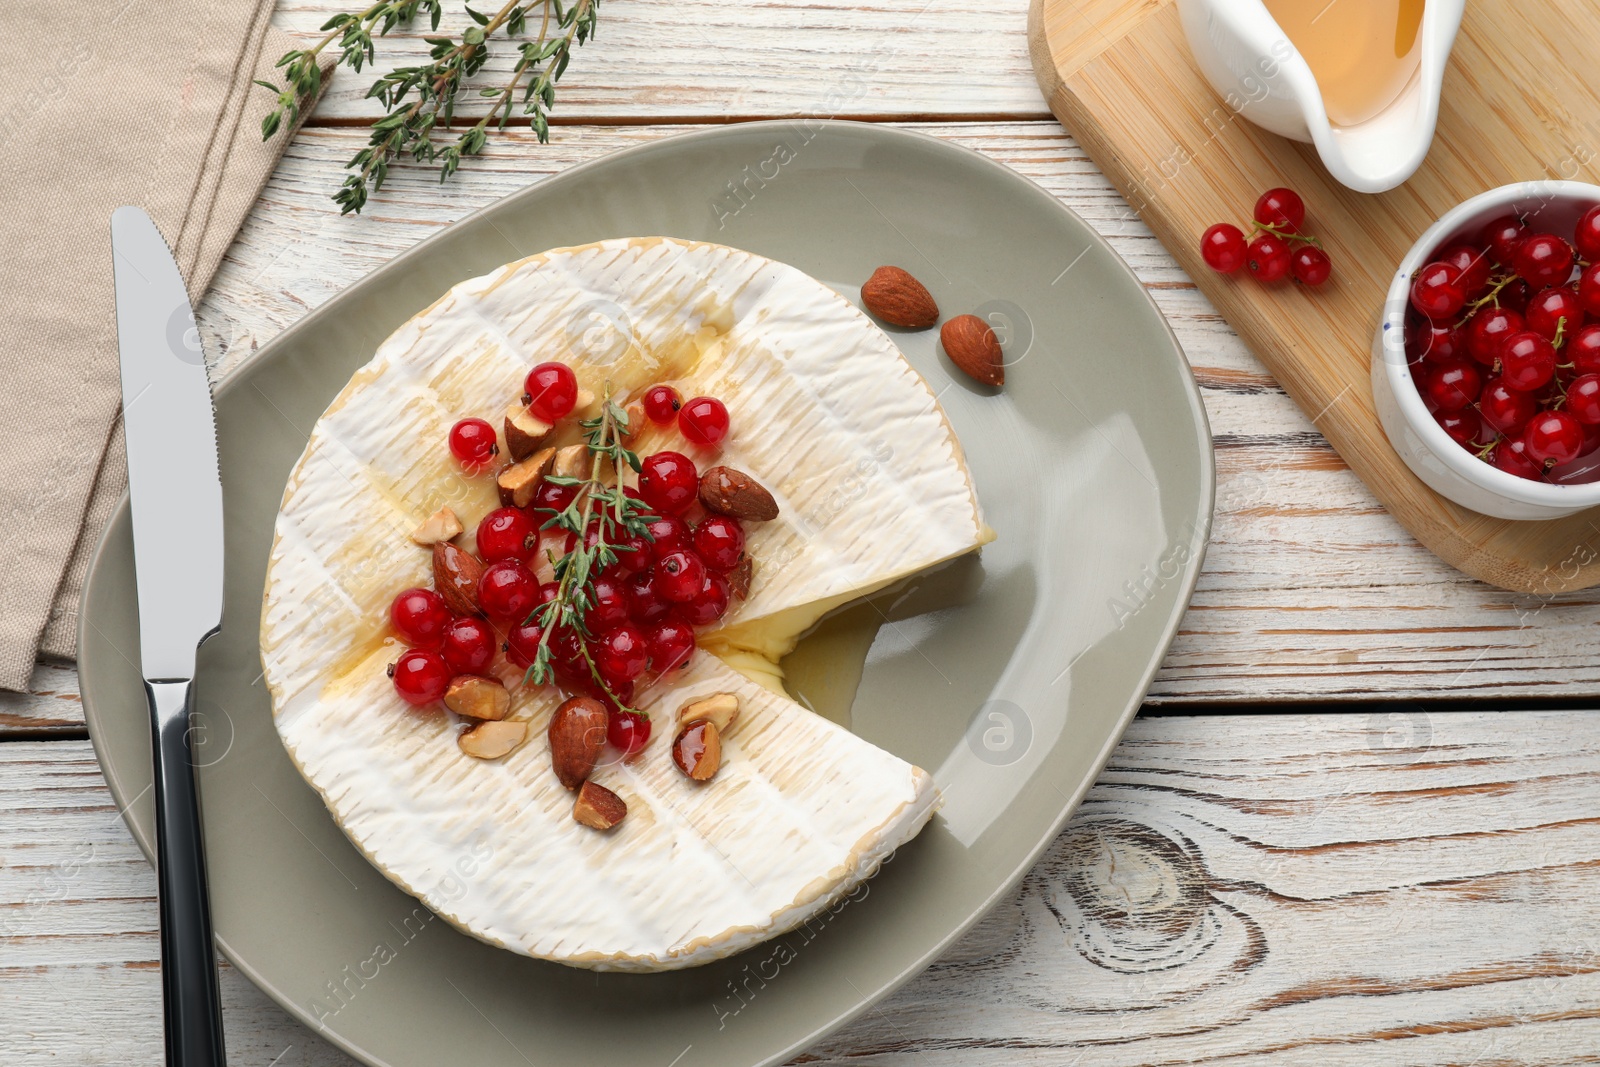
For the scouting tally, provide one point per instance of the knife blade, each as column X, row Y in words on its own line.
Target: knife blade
column 175, row 494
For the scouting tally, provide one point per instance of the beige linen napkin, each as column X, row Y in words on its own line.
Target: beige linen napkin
column 123, row 103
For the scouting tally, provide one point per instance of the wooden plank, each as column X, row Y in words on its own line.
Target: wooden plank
column 697, row 60
column 1186, row 160
column 1268, row 890
column 50, row 706
column 1310, row 589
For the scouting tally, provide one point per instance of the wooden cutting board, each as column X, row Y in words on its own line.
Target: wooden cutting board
column 1521, row 101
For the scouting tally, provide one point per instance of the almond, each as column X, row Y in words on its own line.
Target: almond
column 577, row 736
column 517, row 482
column 971, row 345
column 698, row 750
column 525, row 432
column 719, row 709
column 730, row 492
column 598, row 807
column 897, row 298
column 491, row 740
column 442, row 525
column 636, row 421
column 740, row 577
column 574, row 461
column 455, row 576
column 477, row 697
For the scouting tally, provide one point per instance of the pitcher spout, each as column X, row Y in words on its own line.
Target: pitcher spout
column 1255, row 65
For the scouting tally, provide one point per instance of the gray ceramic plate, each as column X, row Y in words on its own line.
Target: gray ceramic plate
column 1011, row 676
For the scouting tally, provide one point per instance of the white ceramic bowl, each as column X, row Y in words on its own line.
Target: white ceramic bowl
column 1450, row 469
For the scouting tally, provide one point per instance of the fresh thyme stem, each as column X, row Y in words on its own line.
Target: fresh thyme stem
column 576, row 570
column 419, row 99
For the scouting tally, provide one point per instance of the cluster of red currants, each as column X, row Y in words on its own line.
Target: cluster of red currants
column 1501, row 348
column 643, row 609
column 1277, row 250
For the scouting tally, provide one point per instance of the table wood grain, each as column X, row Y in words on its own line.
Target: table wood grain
column 1330, row 889
column 1391, row 885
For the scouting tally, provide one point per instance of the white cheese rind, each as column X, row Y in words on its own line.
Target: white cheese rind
column 872, row 484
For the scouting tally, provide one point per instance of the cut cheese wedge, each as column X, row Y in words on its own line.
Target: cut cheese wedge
column 872, row 487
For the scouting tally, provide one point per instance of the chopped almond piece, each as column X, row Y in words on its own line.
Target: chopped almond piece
column 525, row 432
column 442, row 525
column 598, row 807
column 519, row 481
column 492, row 740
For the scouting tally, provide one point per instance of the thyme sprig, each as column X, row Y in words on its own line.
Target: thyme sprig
column 419, row 100
column 604, row 504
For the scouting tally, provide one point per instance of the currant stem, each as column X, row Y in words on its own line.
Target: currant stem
column 1287, row 235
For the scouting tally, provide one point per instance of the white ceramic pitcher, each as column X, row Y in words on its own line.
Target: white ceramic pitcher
column 1257, row 70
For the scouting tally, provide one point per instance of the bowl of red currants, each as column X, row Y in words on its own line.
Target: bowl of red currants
column 1486, row 366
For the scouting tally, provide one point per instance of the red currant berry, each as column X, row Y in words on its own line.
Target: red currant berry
column 1282, row 208
column 720, row 542
column 608, row 607
column 1472, row 262
column 469, row 645
column 550, row 497
column 1435, row 341
column 1543, row 259
column 420, row 617
column 679, row 576
column 669, row 482
column 566, row 656
column 710, row 603
column 1583, row 399
column 1222, row 246
column 668, row 532
column 645, row 605
column 1501, row 237
column 671, row 644
column 506, row 533
column 1589, row 290
column 1527, row 361
column 1587, row 235
column 1548, row 310
column 633, row 551
column 507, row 591
column 1583, row 350
column 1311, row 266
column 1510, row 454
column 1453, row 385
column 1464, row 427
column 472, row 442
column 420, row 677
column 552, row 391
column 1487, row 331
column 1436, row 291
column 1515, row 296
column 620, row 654
column 1268, row 258
column 661, row 404
column 704, row 420
column 628, row 731
column 522, row 644
column 1504, row 409
column 1553, row 438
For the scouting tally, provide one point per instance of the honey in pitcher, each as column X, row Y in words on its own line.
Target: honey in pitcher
column 1362, row 52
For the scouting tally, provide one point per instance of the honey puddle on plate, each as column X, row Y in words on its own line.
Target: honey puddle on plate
column 1362, row 52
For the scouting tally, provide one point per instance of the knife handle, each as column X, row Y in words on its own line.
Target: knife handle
column 191, row 1004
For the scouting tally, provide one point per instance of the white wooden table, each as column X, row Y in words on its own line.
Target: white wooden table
column 1327, row 842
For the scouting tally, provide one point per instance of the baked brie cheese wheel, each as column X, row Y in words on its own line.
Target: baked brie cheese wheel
column 872, row 486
